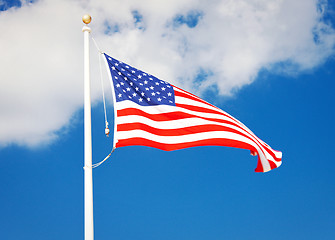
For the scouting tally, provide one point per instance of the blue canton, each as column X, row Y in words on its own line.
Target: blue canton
column 138, row 86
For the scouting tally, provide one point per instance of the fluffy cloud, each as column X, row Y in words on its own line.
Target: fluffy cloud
column 219, row 45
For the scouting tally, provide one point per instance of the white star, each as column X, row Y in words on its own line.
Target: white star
column 153, row 94
column 131, row 84
column 142, row 93
column 132, row 71
column 125, row 78
column 147, row 89
column 145, row 82
column 140, row 100
column 152, row 88
column 119, row 73
column 120, row 95
column 122, row 83
column 128, row 89
column 113, row 68
column 163, row 88
column 148, row 99
column 157, row 83
column 169, row 94
column 116, row 64
column 139, row 76
column 136, row 88
column 134, row 94
column 117, row 85
column 159, row 99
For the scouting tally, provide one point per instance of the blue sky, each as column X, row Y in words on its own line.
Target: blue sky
column 197, row 193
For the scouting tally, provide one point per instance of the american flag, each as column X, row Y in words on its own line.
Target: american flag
column 151, row 112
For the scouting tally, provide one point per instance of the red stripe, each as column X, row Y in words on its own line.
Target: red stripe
column 259, row 167
column 272, row 164
column 170, row 147
column 206, row 142
column 168, row 116
column 198, row 109
column 204, row 110
column 181, row 93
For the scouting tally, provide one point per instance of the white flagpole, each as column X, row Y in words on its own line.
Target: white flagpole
column 89, row 229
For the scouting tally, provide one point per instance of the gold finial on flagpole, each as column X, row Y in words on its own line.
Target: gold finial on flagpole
column 87, row 19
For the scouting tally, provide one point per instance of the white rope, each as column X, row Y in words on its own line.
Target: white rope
column 102, row 87
column 99, row 163
column 96, row 45
column 103, row 92
column 104, row 101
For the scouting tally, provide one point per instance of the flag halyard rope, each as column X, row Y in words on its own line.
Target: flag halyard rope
column 101, row 162
column 96, row 45
column 102, row 87
column 103, row 97
column 105, row 111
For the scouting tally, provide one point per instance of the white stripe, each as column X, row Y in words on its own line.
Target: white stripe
column 185, row 138
column 195, row 137
column 191, row 95
column 278, row 154
column 159, row 109
column 173, row 124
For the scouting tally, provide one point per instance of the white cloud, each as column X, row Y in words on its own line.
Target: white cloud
column 231, row 41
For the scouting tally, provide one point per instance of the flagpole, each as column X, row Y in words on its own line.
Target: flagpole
column 88, row 188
